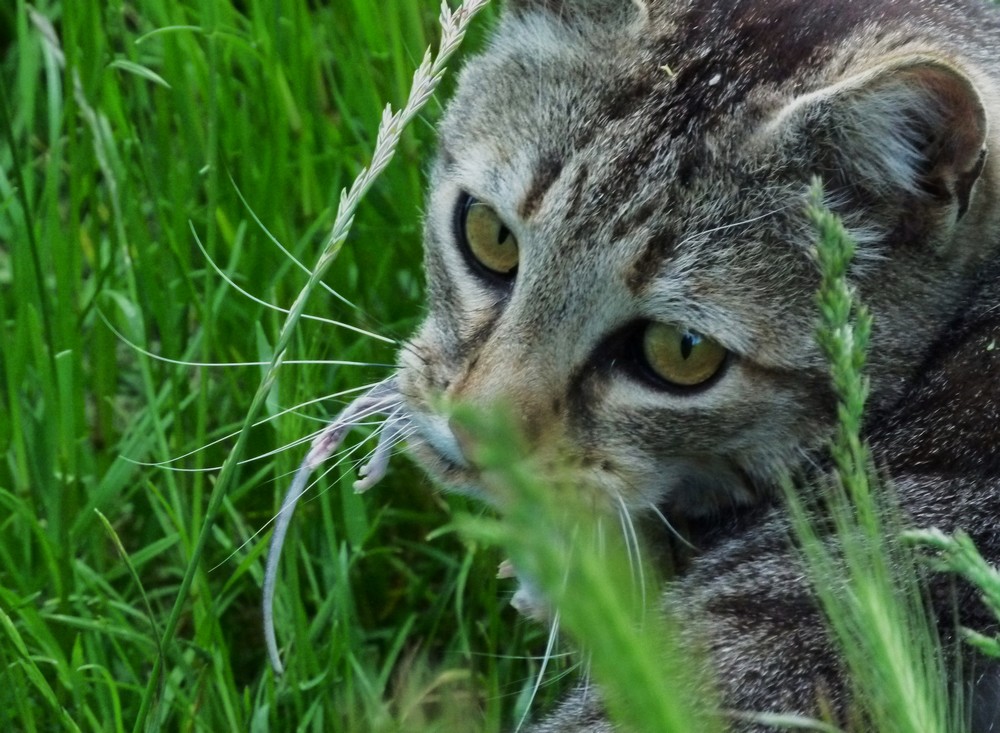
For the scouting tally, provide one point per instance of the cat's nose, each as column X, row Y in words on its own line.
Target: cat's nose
column 509, row 423
column 502, row 379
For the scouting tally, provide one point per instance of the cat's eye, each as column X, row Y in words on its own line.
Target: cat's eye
column 680, row 356
column 487, row 239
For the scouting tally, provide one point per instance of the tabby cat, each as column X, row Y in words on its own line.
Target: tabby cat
column 618, row 249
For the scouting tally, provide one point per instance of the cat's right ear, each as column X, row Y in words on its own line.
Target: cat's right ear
column 912, row 128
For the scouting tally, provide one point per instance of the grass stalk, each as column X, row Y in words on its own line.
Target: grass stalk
column 425, row 80
column 865, row 581
column 558, row 542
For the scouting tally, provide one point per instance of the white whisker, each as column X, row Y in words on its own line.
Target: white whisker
column 586, row 684
column 550, row 645
column 228, row 364
column 282, row 448
column 344, row 456
column 632, row 547
column 289, row 255
column 671, row 528
column 732, row 225
column 262, row 421
column 232, row 283
column 523, row 657
column 243, row 461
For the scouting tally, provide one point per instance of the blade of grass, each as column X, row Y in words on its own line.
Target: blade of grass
column 867, row 585
column 556, row 540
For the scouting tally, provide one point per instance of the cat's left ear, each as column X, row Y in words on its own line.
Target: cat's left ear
column 909, row 126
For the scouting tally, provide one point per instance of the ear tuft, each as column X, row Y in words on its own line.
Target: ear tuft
column 914, row 124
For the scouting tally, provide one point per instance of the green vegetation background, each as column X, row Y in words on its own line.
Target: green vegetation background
column 128, row 132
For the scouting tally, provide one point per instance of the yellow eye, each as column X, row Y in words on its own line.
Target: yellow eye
column 489, row 240
column 681, row 356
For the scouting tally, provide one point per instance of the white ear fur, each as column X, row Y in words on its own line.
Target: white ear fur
column 914, row 124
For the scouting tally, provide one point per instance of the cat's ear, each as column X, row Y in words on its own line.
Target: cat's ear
column 914, row 125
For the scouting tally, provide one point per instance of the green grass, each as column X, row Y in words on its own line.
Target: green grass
column 866, row 581
column 121, row 149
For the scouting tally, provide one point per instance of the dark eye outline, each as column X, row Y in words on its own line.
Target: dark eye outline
column 639, row 367
column 462, row 206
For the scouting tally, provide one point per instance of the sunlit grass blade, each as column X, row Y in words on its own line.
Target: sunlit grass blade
column 558, row 541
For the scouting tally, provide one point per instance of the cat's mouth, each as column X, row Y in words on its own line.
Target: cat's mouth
column 434, row 445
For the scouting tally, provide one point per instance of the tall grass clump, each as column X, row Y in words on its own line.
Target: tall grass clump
column 153, row 157
column 425, row 80
column 865, row 580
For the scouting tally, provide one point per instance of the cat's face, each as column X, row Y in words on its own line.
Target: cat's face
column 618, row 251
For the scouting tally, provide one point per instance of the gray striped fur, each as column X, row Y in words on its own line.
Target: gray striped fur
column 652, row 159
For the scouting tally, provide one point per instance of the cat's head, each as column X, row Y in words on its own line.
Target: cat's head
column 617, row 244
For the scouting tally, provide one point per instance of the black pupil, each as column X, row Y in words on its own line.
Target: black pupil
column 688, row 342
column 503, row 235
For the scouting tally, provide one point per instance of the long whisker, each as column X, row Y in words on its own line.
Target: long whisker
column 272, row 306
column 586, row 684
column 380, row 398
column 250, row 459
column 299, row 441
column 289, row 255
column 732, row 225
column 344, row 456
column 262, row 421
column 632, row 546
column 549, row 647
column 258, row 457
column 229, row 364
column 681, row 538
column 523, row 657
